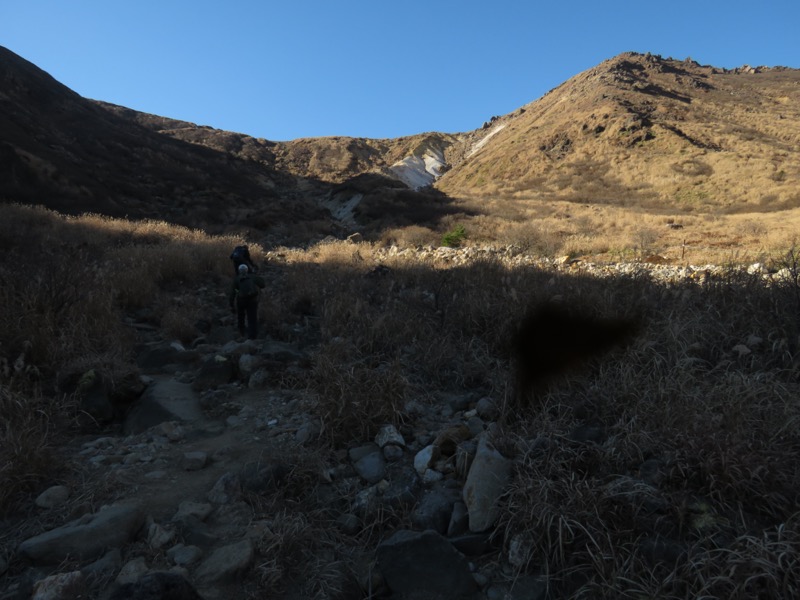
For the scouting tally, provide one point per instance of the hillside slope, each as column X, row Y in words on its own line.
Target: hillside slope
column 644, row 130
column 71, row 154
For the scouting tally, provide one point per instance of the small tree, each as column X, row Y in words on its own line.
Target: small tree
column 454, row 237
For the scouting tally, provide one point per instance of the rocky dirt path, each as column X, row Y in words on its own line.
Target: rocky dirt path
column 173, row 497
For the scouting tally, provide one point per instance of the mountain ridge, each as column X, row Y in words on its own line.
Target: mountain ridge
column 635, row 130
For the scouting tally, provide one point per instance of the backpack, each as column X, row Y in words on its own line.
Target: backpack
column 239, row 255
column 247, row 286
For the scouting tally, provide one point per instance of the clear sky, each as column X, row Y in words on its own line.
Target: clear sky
column 369, row 68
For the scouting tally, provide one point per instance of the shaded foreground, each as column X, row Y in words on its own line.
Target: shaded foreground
column 665, row 469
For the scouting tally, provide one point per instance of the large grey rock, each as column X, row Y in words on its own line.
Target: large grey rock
column 368, row 461
column 87, row 537
column 132, row 570
column 184, row 556
column 423, row 458
column 214, row 371
column 103, row 569
column 248, row 364
column 425, row 564
column 198, row 510
column 226, row 563
column 525, row 587
column 157, row 585
column 53, row 496
column 488, row 478
column 164, row 400
column 227, row 489
column 388, row 434
column 435, row 509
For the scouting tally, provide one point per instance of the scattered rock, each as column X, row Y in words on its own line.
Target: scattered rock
column 307, row 432
column 487, row 409
column 488, row 478
column 248, row 364
column 213, row 372
column 423, row 459
column 259, row 380
column 165, row 400
column 194, row 461
column 103, row 569
column 85, row 538
column 132, row 570
column 157, row 586
column 63, row 586
column 393, row 453
column 388, row 434
column 227, row 562
column 158, row 536
column 524, row 587
column 459, row 520
column 435, row 509
column 53, row 497
column 184, row 556
column 424, row 563
column 368, row 462
column 227, row 489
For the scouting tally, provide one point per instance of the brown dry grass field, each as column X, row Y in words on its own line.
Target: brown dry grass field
column 604, row 233
column 720, row 425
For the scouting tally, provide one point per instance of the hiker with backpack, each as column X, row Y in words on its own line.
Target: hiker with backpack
column 241, row 256
column 243, row 299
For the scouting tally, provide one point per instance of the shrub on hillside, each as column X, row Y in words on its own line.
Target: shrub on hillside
column 454, row 237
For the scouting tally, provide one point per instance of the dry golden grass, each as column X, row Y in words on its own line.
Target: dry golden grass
column 603, row 233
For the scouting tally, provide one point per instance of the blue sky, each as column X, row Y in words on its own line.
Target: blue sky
column 369, row 68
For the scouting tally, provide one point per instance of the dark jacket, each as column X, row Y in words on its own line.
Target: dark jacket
column 234, row 291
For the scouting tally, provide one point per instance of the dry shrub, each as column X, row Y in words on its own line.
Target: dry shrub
column 411, row 236
column 335, row 254
column 32, row 428
column 300, row 556
column 356, row 397
column 180, row 323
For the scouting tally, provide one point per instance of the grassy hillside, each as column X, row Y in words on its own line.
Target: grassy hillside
column 644, row 131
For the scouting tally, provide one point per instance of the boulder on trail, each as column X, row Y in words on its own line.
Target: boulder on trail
column 425, row 563
column 85, row 538
column 164, row 400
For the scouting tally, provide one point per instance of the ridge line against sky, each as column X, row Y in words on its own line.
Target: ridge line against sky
column 365, row 68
